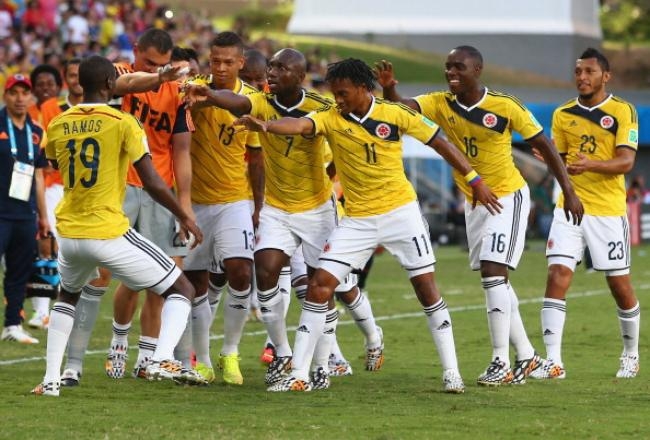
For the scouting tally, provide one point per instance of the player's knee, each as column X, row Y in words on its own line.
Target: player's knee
column 183, row 286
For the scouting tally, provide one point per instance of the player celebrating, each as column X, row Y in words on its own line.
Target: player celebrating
column 222, row 184
column 92, row 145
column 299, row 210
column 597, row 135
column 479, row 122
column 381, row 207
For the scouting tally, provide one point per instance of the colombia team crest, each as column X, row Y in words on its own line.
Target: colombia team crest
column 383, row 130
column 490, row 120
column 606, row 122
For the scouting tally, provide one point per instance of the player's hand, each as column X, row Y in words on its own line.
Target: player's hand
column 256, row 218
column 385, row 75
column 194, row 93
column 170, row 73
column 573, row 209
column 251, row 123
column 483, row 194
column 578, row 164
column 44, row 229
column 189, row 228
column 538, row 155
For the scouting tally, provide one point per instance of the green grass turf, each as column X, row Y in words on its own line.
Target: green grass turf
column 402, row 401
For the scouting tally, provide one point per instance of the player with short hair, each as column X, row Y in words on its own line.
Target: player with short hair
column 479, row 122
column 254, row 70
column 364, row 134
column 92, row 145
column 597, row 136
column 147, row 89
column 299, row 211
column 223, row 185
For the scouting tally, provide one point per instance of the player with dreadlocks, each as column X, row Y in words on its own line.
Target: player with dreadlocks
column 365, row 134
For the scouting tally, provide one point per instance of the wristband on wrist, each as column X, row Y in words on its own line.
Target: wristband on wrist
column 472, row 178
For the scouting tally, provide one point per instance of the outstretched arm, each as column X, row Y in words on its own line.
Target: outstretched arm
column 387, row 81
column 202, row 95
column 159, row 191
column 481, row 192
column 138, row 82
column 572, row 205
column 302, row 126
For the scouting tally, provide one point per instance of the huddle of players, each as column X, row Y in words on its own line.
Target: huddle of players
column 282, row 199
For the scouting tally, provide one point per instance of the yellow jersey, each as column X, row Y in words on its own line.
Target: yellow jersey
column 218, row 149
column 94, row 145
column 483, row 132
column 294, row 166
column 368, row 154
column 596, row 132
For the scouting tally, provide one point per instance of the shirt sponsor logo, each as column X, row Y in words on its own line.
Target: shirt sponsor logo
column 633, row 136
column 429, row 122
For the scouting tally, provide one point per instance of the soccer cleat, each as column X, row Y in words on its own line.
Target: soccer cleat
column 47, row 389
column 523, row 368
column 230, row 366
column 115, row 364
column 495, row 374
column 206, row 372
column 173, row 370
column 268, row 354
column 453, row 382
column 549, row 370
column 320, row 379
column 278, row 370
column 70, row 378
column 339, row 367
column 289, row 384
column 140, row 370
column 18, row 334
column 375, row 355
column 38, row 321
column 629, row 366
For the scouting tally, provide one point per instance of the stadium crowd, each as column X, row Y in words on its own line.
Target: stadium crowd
column 49, row 32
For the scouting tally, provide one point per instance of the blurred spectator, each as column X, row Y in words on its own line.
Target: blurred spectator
column 637, row 191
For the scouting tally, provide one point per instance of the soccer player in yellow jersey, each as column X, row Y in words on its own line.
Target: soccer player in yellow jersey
column 597, row 135
column 92, row 144
column 479, row 122
column 365, row 135
column 299, row 210
column 223, row 183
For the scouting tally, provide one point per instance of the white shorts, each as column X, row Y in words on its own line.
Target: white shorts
column 608, row 239
column 227, row 233
column 153, row 221
column 402, row 231
column 498, row 238
column 279, row 229
column 53, row 195
column 131, row 258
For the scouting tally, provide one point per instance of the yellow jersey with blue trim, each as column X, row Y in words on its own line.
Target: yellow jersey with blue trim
column 597, row 133
column 483, row 132
column 367, row 153
column 93, row 145
column 294, row 166
column 218, row 151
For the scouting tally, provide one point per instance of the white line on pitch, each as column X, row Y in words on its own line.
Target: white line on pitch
column 586, row 294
